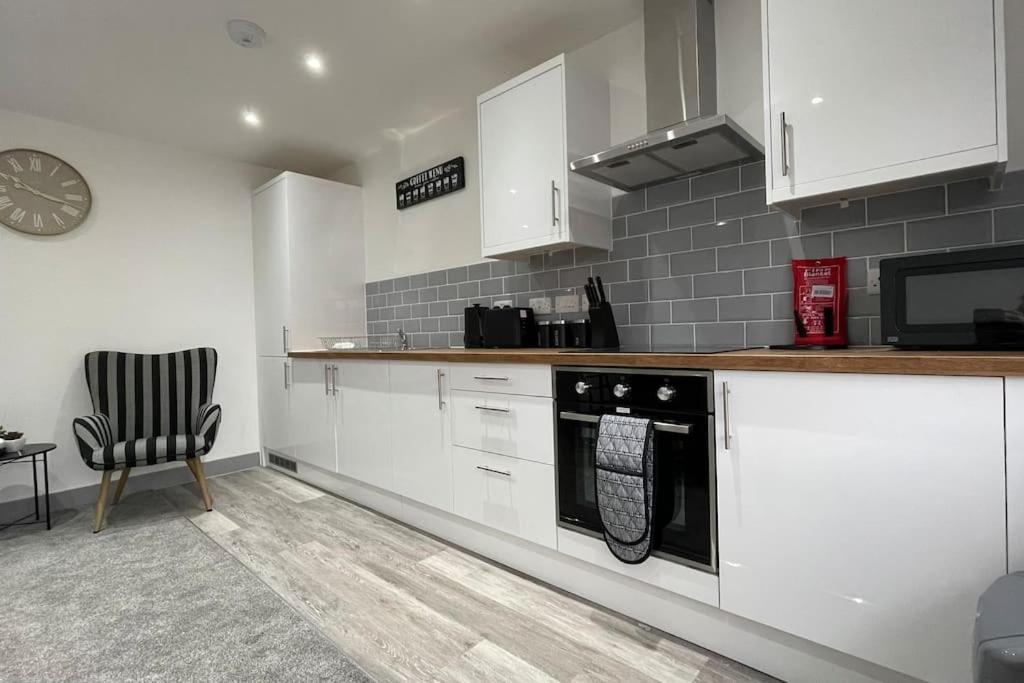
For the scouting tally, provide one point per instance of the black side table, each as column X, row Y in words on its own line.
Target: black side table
column 37, row 452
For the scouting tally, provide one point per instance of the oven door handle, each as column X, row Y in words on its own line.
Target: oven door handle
column 658, row 426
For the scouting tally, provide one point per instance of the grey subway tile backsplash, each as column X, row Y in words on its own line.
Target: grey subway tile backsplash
column 748, row 203
column 670, row 288
column 718, row 234
column 678, row 277
column 667, row 194
column 721, row 182
column 665, row 337
column 745, row 256
column 975, row 194
column 950, row 231
column 646, row 314
column 690, row 262
column 630, row 202
column 694, row 213
column 752, row 176
column 832, row 217
column 647, row 222
column 769, row 226
column 631, row 247
column 671, row 241
column 647, row 268
column 878, row 239
column 756, row 307
column 718, row 284
column 927, row 201
column 479, row 271
column 695, row 311
column 1009, row 224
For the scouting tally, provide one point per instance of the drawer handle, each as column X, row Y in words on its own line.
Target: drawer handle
column 658, row 426
column 493, row 410
column 488, row 378
column 494, row 471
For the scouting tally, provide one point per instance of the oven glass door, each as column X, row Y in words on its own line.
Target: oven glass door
column 684, row 526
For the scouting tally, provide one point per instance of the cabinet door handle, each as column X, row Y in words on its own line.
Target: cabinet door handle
column 494, row 471
column 728, row 420
column 284, row 338
column 555, row 196
column 486, row 378
column 327, row 380
column 493, row 410
column 284, row 365
column 334, row 380
column 785, row 148
column 440, row 394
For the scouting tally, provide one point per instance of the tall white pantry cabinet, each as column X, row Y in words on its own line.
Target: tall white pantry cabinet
column 309, row 279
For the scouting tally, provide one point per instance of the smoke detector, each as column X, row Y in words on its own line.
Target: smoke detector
column 245, row 33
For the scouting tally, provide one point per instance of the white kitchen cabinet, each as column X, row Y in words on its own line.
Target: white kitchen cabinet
column 518, row 426
column 508, row 494
column 862, row 512
column 420, row 434
column 273, row 377
column 1015, row 472
column 308, row 263
column 364, row 422
column 312, row 414
column 875, row 94
column 530, row 128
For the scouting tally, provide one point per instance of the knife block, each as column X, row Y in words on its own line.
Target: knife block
column 603, row 333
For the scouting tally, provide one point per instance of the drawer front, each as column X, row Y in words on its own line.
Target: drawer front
column 518, row 426
column 529, row 380
column 510, row 495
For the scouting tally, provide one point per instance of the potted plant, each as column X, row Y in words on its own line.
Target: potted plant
column 11, row 440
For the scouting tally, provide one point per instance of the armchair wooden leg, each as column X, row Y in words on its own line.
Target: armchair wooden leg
column 196, row 465
column 101, row 504
column 120, row 484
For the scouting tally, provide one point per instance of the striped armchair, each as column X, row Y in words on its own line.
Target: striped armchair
column 148, row 409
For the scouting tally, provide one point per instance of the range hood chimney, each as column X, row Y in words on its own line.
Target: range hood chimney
column 688, row 137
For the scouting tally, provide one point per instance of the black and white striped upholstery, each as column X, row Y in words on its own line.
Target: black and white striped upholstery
column 149, row 408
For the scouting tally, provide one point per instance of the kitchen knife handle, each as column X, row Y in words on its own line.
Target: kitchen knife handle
column 600, row 290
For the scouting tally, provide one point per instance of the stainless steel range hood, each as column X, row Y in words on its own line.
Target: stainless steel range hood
column 688, row 137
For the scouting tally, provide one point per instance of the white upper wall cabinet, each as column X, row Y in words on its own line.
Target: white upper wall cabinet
column 530, row 128
column 865, row 513
column 874, row 94
column 308, row 263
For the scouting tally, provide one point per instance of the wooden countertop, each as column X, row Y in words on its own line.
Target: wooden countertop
column 873, row 360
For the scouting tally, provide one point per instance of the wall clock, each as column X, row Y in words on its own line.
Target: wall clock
column 41, row 194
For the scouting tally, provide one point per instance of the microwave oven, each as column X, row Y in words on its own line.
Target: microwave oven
column 971, row 299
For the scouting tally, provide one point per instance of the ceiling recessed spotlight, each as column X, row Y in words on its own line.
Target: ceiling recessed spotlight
column 245, row 33
column 817, row 100
column 251, row 118
column 314, row 63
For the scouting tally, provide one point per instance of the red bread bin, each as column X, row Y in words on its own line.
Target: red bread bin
column 819, row 301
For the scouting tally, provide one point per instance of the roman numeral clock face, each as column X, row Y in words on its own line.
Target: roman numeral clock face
column 41, row 194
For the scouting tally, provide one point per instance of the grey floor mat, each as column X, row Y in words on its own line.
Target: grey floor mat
column 149, row 598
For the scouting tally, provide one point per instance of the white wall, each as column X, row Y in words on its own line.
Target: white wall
column 446, row 232
column 163, row 263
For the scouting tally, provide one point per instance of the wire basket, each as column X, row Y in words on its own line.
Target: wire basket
column 375, row 343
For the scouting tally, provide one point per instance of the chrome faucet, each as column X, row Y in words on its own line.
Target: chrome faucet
column 403, row 339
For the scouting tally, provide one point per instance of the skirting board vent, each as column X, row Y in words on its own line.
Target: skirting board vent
column 283, row 463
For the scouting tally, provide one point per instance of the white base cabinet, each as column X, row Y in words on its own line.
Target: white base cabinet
column 273, row 380
column 865, row 513
column 1015, row 472
column 312, row 412
column 364, row 422
column 421, row 432
column 872, row 95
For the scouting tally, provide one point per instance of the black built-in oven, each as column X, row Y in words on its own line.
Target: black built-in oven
column 681, row 405
column 962, row 299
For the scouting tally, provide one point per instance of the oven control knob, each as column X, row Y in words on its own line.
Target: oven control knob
column 621, row 390
column 582, row 388
column 666, row 393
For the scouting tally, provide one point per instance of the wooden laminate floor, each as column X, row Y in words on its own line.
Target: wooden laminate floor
column 405, row 606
